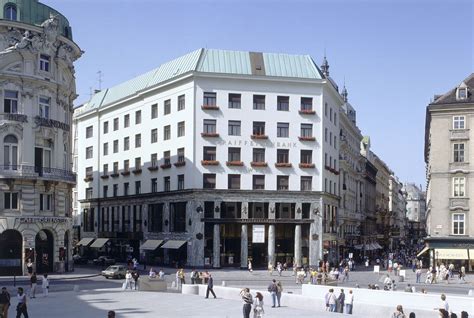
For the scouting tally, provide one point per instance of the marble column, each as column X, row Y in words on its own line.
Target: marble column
column 216, row 248
column 244, row 246
column 298, row 244
column 271, row 244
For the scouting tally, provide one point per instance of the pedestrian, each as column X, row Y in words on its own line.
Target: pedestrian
column 258, row 306
column 345, row 274
column 398, row 313
column 33, row 283
column 444, row 303
column 111, row 314
column 45, row 285
column 161, row 274
column 4, row 302
column 462, row 274
column 152, row 273
column 349, row 302
column 247, row 302
column 181, row 276
column 418, row 275
column 249, row 266
column 331, row 300
column 270, row 268
column 273, row 289
column 135, row 264
column 279, row 268
column 279, row 291
column 29, row 266
column 135, row 277
column 128, row 280
column 192, row 276
column 340, row 301
column 21, row 307
column 210, row 286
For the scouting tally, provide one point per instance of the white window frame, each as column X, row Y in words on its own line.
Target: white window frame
column 44, row 107
column 459, row 187
column 458, row 93
column 45, row 202
column 459, row 151
column 457, row 121
column 463, row 221
column 11, row 154
column 89, row 152
column 11, row 201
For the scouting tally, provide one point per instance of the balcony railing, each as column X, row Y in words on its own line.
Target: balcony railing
column 25, row 171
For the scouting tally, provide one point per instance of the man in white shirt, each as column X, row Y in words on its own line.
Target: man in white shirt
column 161, row 274
column 349, row 302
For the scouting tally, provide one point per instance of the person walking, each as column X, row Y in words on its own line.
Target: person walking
column 258, row 311
column 462, row 274
column 128, row 280
column 273, row 289
column 192, row 276
column 398, row 313
column 418, row 275
column 29, row 266
column 4, row 302
column 349, row 302
column 21, row 307
column 279, row 291
column 33, row 283
column 135, row 277
column 249, row 266
column 45, row 285
column 210, row 286
column 279, row 268
column 247, row 302
column 340, row 301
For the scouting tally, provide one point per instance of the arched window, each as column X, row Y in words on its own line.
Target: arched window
column 9, row 12
column 10, row 149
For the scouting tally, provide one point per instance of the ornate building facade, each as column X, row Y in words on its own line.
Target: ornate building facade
column 37, row 89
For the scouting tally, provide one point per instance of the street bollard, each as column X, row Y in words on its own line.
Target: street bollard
column 470, row 293
column 223, row 283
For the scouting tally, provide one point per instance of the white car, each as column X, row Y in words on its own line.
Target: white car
column 115, row 271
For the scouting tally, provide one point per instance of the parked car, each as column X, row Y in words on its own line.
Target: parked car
column 78, row 259
column 104, row 260
column 115, row 271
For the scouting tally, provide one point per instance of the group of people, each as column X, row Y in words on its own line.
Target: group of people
column 131, row 280
column 340, row 303
column 153, row 274
column 275, row 289
column 443, row 311
column 441, row 273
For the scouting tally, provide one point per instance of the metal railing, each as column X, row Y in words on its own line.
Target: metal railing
column 25, row 171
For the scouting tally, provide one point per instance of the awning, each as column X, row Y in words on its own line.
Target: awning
column 150, row 245
column 471, row 254
column 99, row 242
column 173, row 244
column 85, row 241
column 423, row 251
column 448, row 253
column 378, row 245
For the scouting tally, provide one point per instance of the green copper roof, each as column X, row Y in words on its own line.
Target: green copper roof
column 212, row 61
column 34, row 12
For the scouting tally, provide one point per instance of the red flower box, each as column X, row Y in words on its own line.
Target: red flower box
column 234, row 163
column 283, row 165
column 307, row 165
column 307, row 112
column 301, row 138
column 258, row 164
column 259, row 136
column 209, row 135
column 209, row 162
column 210, row 107
column 165, row 166
column 153, row 168
column 180, row 163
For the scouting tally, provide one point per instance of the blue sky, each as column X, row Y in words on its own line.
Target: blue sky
column 393, row 55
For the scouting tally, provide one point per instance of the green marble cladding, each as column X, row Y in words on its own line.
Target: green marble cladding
column 35, row 13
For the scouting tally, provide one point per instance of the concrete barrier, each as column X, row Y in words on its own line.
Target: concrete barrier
column 152, row 284
column 190, row 289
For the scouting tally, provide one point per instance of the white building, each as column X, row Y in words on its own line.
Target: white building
column 37, row 89
column 223, row 156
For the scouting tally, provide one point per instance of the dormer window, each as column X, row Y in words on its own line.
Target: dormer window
column 462, row 93
column 9, row 12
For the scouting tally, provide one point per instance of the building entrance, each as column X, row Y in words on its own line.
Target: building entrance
column 10, row 253
column 44, row 243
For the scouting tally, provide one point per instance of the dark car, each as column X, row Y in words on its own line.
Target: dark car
column 77, row 259
column 104, row 260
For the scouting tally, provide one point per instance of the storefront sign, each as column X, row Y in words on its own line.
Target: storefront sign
column 258, row 233
column 260, row 143
column 33, row 219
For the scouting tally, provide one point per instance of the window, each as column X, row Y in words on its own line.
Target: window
column 181, row 129
column 10, row 155
column 167, row 109
column 209, row 126
column 306, row 156
column 10, row 12
column 180, row 181
column 166, row 184
column 138, row 140
column 335, row 142
column 209, row 153
column 155, row 217
column 154, row 160
column 89, row 193
column 459, row 186
column 106, row 127
column 116, row 124
column 283, row 103
column 258, row 155
column 283, row 130
column 233, row 154
column 335, row 118
column 45, row 202
column 115, row 190
column 138, row 117
column 458, row 152
column 10, row 200
column 89, row 172
column 458, row 122
column 258, row 182
column 89, row 152
column 282, row 182
column 233, row 181
column 462, row 93
column 325, row 134
column 126, row 165
column 116, row 169
column 307, row 130
column 154, row 111
column 154, row 185
column 154, row 135
column 209, row 99
column 105, row 190
column 138, row 163
column 126, row 187
column 10, row 102
column 330, row 138
column 44, row 103
column 181, row 155
column 126, row 143
column 234, row 127
column 259, row 128
column 44, row 61
column 234, row 100
column 326, row 109
column 283, row 155
column 306, row 183
column 178, row 217
column 126, row 121
column 258, row 101
column 167, row 132
column 167, row 157
column 105, row 169
column 181, row 102
column 330, row 115
column 89, row 132
column 138, row 187
column 306, row 103
column 458, row 223
column 209, row 180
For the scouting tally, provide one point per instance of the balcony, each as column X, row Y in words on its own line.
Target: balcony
column 209, row 107
column 137, row 171
column 104, row 176
column 88, row 178
column 307, row 112
column 258, row 164
column 209, row 135
column 125, row 173
column 304, row 138
column 32, row 172
column 234, row 163
column 283, row 165
column 114, row 175
column 180, row 163
column 336, row 172
column 459, row 134
column 209, row 162
column 165, row 165
column 307, row 165
column 259, row 136
column 153, row 168
column 14, row 117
